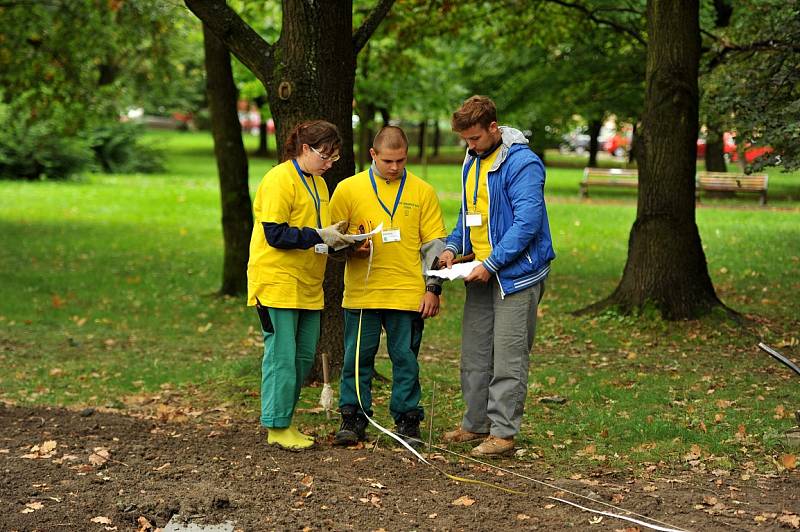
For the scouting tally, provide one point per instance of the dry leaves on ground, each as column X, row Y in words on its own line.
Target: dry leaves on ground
column 463, row 501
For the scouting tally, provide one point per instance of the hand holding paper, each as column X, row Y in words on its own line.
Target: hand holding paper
column 458, row 271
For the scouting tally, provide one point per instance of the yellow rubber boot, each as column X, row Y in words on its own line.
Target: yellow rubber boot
column 300, row 434
column 289, row 438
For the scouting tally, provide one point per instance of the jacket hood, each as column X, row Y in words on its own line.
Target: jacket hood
column 511, row 137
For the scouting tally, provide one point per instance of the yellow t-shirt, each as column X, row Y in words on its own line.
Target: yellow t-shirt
column 479, row 234
column 395, row 280
column 287, row 278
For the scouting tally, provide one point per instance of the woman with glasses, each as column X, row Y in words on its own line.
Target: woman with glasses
column 289, row 247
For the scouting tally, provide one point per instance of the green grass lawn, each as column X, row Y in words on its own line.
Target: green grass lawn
column 108, row 296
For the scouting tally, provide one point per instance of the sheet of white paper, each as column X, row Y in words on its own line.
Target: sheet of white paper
column 364, row 236
column 458, row 271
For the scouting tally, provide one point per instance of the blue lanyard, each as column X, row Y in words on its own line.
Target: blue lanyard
column 396, row 200
column 314, row 196
column 477, row 161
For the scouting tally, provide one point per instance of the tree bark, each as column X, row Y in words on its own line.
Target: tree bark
column 237, row 214
column 666, row 265
column 263, row 132
column 437, row 137
column 594, row 142
column 715, row 150
column 366, row 118
column 308, row 73
column 423, row 126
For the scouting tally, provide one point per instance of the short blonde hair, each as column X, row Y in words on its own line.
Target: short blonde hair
column 390, row 138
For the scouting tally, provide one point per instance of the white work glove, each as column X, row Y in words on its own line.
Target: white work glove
column 333, row 236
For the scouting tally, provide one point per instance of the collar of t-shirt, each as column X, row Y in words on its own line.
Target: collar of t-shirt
column 376, row 172
column 488, row 152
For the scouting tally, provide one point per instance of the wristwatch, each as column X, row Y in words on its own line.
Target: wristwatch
column 434, row 289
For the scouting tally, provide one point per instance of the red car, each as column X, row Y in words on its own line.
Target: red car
column 618, row 145
column 751, row 152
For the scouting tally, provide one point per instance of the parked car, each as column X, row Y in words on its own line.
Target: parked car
column 576, row 141
column 730, row 151
column 618, row 144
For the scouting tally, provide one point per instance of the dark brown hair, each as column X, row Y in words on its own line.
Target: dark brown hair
column 319, row 134
column 476, row 110
column 390, row 138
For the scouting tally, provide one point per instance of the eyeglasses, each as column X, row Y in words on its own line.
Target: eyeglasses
column 325, row 158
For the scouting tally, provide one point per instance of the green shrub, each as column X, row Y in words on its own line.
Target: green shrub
column 118, row 149
column 38, row 150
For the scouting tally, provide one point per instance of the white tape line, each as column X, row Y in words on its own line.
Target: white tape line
column 615, row 516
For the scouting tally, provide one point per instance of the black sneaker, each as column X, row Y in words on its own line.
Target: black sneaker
column 408, row 428
column 353, row 428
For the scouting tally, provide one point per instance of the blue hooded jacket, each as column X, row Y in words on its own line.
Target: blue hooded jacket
column 519, row 231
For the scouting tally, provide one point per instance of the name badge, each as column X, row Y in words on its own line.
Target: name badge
column 474, row 220
column 322, row 249
column 390, row 235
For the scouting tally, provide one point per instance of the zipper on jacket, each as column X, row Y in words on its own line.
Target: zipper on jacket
column 528, row 256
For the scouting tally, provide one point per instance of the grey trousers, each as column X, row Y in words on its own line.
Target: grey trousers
column 496, row 339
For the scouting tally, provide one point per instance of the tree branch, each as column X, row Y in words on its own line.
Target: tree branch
column 769, row 45
column 370, row 24
column 242, row 40
column 590, row 15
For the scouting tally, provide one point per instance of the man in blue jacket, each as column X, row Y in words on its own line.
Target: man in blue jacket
column 503, row 221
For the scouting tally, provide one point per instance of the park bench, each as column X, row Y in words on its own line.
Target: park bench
column 608, row 177
column 732, row 182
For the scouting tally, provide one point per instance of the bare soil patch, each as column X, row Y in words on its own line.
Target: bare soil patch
column 135, row 472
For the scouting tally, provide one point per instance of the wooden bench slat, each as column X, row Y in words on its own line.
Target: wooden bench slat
column 733, row 182
column 704, row 181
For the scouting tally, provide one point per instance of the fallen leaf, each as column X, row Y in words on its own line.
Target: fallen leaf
column 789, row 461
column 36, row 505
column 463, row 501
column 710, row 500
column 307, row 481
column 99, row 456
column 522, row 517
column 101, row 519
column 144, row 524
column 780, row 410
column 650, row 488
column 693, row 454
column 792, row 520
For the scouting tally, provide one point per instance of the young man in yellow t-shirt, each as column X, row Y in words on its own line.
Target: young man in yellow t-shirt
column 383, row 284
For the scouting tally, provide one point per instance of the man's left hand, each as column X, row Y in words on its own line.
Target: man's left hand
column 479, row 273
column 429, row 306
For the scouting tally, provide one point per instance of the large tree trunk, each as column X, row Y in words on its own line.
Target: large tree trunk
column 312, row 35
column 263, row 132
column 594, row 132
column 423, row 126
column 437, row 137
column 715, row 150
column 308, row 73
column 237, row 214
column 666, row 264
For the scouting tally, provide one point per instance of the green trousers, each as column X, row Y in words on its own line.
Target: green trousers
column 290, row 343
column 403, row 339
